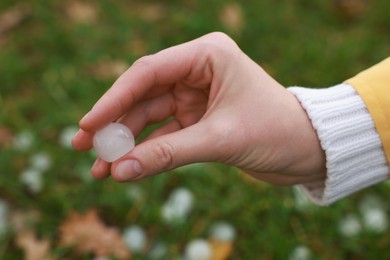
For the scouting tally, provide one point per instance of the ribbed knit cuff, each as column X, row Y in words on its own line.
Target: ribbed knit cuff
column 354, row 154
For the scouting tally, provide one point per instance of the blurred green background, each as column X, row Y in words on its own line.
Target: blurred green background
column 58, row 57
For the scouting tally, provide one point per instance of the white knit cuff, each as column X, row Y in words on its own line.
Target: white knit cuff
column 354, row 154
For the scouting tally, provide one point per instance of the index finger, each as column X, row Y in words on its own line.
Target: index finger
column 141, row 79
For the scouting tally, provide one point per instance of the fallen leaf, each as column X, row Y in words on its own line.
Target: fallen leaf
column 350, row 8
column 81, row 12
column 24, row 220
column 33, row 248
column 151, row 12
column 222, row 250
column 88, row 234
column 232, row 17
column 108, row 69
column 138, row 47
column 13, row 16
column 5, row 137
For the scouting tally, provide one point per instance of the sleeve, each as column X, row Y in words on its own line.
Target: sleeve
column 352, row 122
column 373, row 85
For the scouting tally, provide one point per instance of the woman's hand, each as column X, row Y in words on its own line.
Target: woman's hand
column 223, row 108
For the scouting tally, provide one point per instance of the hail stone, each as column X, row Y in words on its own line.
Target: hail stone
column 113, row 141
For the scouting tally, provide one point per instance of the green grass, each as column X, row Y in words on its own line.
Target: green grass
column 49, row 79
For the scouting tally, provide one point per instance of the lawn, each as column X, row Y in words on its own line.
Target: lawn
column 58, row 57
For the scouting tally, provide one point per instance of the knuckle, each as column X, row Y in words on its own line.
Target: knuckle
column 163, row 155
column 144, row 62
column 219, row 36
column 218, row 41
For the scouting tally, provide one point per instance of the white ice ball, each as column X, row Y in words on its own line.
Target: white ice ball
column 113, row 141
column 198, row 249
column 222, row 231
column 135, row 238
column 301, row 253
column 66, row 136
column 178, row 206
column 33, row 180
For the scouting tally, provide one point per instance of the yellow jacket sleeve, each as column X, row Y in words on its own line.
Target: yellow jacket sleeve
column 373, row 85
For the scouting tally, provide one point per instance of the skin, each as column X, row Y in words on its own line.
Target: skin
column 223, row 108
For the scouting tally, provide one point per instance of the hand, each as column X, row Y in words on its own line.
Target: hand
column 223, row 108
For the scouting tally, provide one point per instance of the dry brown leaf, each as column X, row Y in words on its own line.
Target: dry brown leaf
column 222, row 250
column 152, row 12
column 109, row 69
column 33, row 248
column 5, row 137
column 350, row 8
column 24, row 220
column 13, row 16
column 232, row 17
column 138, row 47
column 82, row 12
column 88, row 234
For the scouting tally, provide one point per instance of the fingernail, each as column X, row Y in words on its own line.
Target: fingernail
column 96, row 163
column 84, row 117
column 129, row 169
column 76, row 134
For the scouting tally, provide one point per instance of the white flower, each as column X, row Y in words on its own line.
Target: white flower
column 350, row 226
column 198, row 249
column 222, row 231
column 374, row 215
column 135, row 238
column 32, row 179
column 3, row 217
column 66, row 136
column 178, row 205
column 41, row 161
column 300, row 253
column 23, row 141
column 158, row 251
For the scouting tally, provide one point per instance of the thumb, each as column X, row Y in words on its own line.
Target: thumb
column 163, row 153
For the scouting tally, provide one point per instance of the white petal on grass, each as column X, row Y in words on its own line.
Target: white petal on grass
column 66, row 136
column 222, row 231
column 374, row 214
column 350, row 226
column 178, row 206
column 300, row 253
column 135, row 238
column 158, row 251
column 23, row 141
column 32, row 179
column 3, row 217
column 135, row 192
column 41, row 161
column 375, row 220
column 198, row 249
